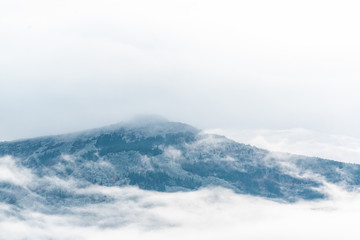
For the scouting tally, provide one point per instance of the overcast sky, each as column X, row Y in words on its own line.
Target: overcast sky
column 72, row 65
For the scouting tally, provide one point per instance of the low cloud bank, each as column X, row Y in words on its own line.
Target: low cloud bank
column 212, row 213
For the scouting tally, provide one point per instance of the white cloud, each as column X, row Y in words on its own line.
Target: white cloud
column 68, row 158
column 12, row 173
column 205, row 214
column 299, row 141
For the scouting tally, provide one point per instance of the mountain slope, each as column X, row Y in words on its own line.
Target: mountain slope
column 162, row 156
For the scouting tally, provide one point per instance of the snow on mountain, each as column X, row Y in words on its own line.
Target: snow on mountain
column 158, row 155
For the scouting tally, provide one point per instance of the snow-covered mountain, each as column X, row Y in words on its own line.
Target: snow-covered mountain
column 157, row 155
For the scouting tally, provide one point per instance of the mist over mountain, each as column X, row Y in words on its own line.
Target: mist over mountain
column 158, row 155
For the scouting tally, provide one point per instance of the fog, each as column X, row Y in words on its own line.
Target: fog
column 72, row 65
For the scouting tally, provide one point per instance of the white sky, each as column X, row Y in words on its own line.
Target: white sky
column 72, row 65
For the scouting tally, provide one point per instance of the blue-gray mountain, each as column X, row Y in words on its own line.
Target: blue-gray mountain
column 161, row 156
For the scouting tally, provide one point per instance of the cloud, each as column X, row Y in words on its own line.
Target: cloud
column 11, row 172
column 212, row 213
column 299, row 141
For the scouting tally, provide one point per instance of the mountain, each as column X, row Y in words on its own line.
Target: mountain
column 161, row 156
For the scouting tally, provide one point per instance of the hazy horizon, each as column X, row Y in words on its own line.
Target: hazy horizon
column 74, row 65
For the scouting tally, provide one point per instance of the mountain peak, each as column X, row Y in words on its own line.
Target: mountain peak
column 147, row 119
column 152, row 125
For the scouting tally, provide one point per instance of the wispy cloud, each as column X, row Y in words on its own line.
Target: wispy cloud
column 299, row 141
column 13, row 173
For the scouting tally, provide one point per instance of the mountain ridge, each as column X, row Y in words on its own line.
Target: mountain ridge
column 165, row 156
